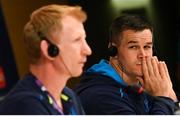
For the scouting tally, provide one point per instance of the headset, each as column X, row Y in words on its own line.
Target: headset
column 112, row 50
column 53, row 50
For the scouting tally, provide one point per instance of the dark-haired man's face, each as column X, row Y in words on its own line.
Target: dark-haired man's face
column 133, row 47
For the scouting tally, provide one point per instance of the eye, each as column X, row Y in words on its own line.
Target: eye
column 77, row 39
column 133, row 47
column 147, row 47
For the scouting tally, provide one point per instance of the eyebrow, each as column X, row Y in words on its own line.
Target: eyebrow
column 149, row 43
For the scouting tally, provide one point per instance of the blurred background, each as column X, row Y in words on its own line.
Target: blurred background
column 164, row 15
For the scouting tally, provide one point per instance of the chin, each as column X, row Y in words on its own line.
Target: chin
column 77, row 74
column 140, row 76
column 139, row 73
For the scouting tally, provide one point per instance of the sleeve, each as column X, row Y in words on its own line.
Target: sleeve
column 177, row 104
column 163, row 105
column 108, row 101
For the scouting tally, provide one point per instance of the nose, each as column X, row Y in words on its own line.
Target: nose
column 142, row 53
column 86, row 49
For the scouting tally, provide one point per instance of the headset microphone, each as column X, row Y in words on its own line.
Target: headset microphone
column 53, row 50
column 71, row 75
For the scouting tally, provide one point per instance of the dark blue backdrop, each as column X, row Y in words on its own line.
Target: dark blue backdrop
column 7, row 61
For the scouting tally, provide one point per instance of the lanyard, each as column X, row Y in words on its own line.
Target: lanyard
column 51, row 99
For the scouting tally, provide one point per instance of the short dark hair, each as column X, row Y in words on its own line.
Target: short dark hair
column 128, row 22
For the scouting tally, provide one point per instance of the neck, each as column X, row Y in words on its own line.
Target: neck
column 53, row 81
column 129, row 80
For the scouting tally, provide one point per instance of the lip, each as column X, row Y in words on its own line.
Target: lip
column 139, row 63
column 83, row 62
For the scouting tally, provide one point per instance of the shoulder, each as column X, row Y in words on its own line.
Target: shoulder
column 71, row 102
column 24, row 98
column 103, row 96
column 98, row 87
column 23, row 103
column 96, row 78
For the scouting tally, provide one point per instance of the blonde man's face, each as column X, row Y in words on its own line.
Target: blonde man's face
column 73, row 46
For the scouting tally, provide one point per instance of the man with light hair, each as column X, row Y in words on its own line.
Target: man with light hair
column 55, row 42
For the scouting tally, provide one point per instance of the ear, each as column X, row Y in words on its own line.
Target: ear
column 44, row 49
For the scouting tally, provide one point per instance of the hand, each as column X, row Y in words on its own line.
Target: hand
column 156, row 80
column 172, row 94
column 166, row 76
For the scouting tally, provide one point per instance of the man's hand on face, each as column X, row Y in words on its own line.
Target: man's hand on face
column 156, row 80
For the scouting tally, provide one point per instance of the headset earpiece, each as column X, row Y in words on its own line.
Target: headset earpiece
column 53, row 50
column 112, row 51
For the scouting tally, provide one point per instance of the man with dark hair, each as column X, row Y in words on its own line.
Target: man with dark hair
column 133, row 81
